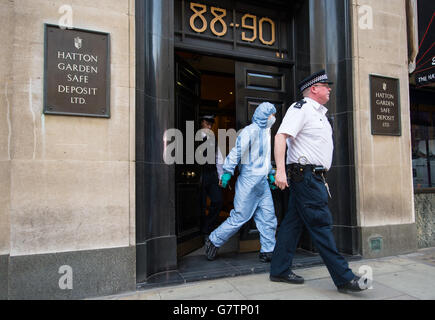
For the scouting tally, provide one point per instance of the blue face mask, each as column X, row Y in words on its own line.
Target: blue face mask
column 271, row 122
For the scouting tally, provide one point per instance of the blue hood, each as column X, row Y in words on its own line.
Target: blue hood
column 261, row 114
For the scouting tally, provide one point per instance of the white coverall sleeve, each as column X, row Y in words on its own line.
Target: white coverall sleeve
column 236, row 153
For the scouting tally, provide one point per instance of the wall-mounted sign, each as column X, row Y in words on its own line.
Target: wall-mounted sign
column 232, row 27
column 385, row 106
column 77, row 72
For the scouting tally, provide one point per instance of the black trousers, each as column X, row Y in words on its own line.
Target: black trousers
column 210, row 188
column 308, row 205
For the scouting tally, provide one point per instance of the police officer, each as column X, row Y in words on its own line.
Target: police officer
column 308, row 134
column 211, row 173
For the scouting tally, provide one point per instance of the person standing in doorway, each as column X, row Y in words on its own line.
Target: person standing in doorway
column 253, row 197
column 308, row 134
column 211, row 173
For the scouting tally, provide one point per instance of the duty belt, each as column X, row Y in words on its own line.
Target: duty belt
column 296, row 167
column 295, row 173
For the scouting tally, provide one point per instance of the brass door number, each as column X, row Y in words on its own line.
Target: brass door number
column 249, row 22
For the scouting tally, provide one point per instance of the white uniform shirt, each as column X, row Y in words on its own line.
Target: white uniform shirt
column 311, row 134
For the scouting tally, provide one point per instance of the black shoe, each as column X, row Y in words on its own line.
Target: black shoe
column 265, row 256
column 353, row 286
column 290, row 278
column 210, row 250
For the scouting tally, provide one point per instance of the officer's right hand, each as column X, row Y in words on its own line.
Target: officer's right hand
column 281, row 180
column 226, row 177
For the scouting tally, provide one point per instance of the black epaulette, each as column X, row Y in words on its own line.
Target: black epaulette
column 299, row 104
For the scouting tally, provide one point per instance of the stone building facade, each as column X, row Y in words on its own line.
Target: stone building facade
column 92, row 197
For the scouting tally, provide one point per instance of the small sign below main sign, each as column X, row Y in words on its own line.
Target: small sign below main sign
column 385, row 106
column 77, row 72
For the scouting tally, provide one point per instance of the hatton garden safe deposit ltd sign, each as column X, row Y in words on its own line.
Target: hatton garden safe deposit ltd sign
column 77, row 74
column 385, row 107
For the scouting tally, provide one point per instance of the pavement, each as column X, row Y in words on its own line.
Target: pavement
column 402, row 277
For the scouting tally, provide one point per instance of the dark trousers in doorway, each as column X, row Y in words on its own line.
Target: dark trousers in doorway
column 308, row 205
column 210, row 188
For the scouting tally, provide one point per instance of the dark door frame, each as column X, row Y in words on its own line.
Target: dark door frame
column 187, row 176
column 156, row 243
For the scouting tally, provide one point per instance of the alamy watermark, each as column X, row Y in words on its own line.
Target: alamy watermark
column 66, row 21
column 366, row 279
column 177, row 145
column 201, row 147
column 66, row 280
column 365, row 17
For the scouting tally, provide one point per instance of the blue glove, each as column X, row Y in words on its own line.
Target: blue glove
column 226, row 177
column 271, row 179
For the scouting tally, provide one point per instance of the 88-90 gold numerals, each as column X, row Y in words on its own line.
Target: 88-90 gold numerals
column 219, row 14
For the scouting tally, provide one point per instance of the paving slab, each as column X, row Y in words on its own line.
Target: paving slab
column 414, row 283
column 379, row 267
column 223, row 296
column 404, row 297
column 425, row 256
column 396, row 260
column 197, row 290
column 313, row 273
column 257, row 284
column 143, row 296
column 293, row 292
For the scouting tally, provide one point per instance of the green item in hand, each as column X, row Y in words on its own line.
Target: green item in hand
column 226, row 177
column 272, row 182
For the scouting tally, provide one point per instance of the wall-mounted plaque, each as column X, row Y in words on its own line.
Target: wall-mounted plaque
column 77, row 72
column 385, row 106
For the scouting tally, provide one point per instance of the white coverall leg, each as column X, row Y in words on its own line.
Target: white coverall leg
column 253, row 198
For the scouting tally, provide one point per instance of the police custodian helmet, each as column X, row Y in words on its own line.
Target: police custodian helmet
column 318, row 77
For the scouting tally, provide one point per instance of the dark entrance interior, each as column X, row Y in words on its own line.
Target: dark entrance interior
column 204, row 86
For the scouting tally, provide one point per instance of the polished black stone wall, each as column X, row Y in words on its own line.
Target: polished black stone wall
column 155, row 188
column 331, row 49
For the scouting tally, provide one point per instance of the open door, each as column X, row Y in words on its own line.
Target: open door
column 187, row 176
column 256, row 84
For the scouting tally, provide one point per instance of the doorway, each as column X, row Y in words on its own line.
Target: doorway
column 230, row 90
column 204, row 85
